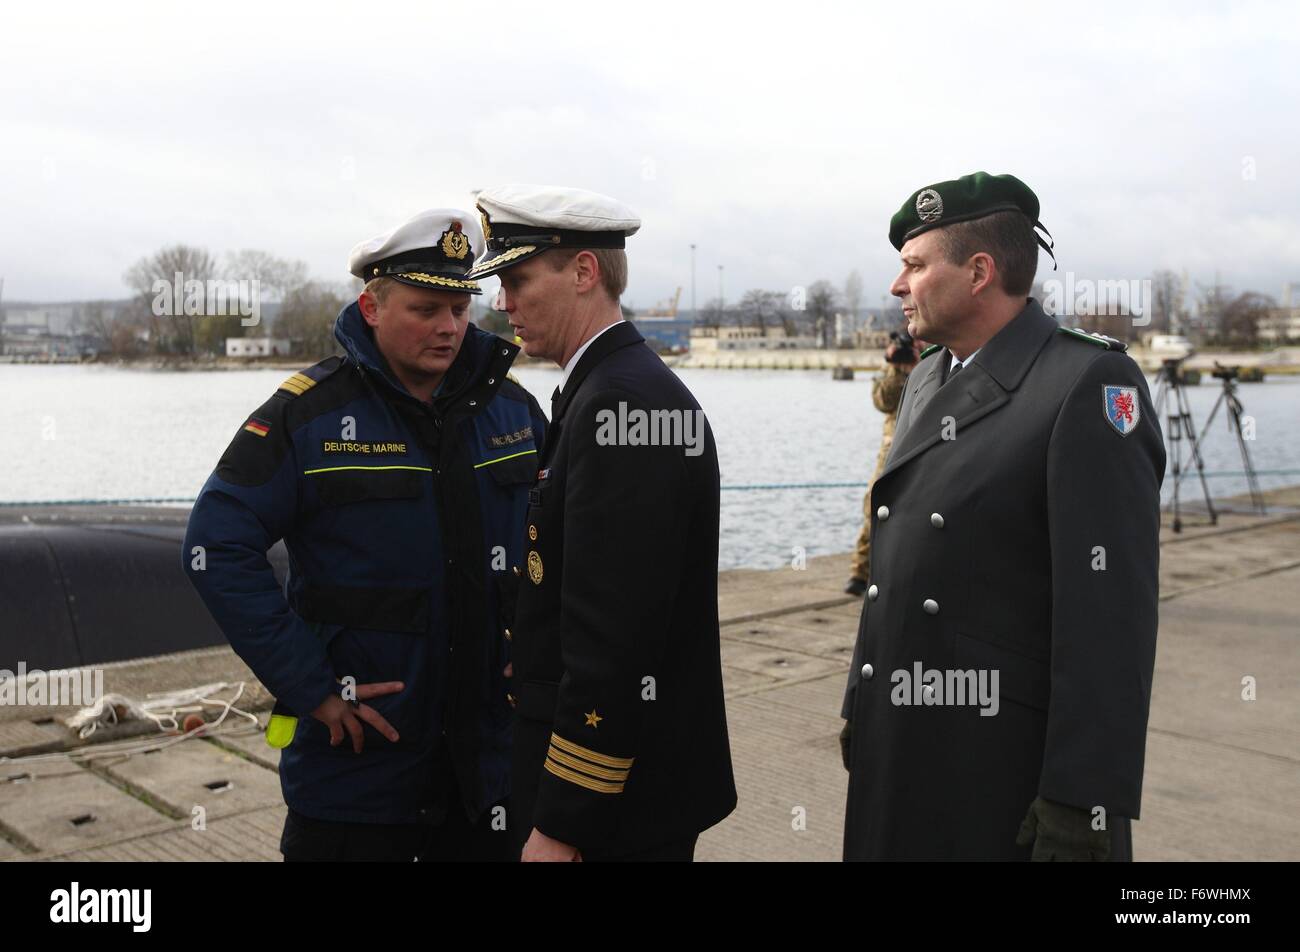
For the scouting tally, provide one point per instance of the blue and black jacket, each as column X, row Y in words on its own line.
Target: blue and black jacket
column 403, row 522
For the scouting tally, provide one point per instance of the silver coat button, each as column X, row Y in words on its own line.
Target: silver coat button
column 936, row 520
column 931, row 606
column 882, row 513
column 873, row 593
column 867, row 672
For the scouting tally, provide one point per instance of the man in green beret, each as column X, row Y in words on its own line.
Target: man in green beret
column 997, row 703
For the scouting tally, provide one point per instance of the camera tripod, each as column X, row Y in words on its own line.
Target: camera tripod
column 1181, row 426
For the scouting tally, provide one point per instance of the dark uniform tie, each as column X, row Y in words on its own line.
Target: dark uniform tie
column 555, row 398
column 955, row 368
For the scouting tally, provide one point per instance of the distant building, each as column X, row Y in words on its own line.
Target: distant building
column 257, row 347
column 666, row 334
column 750, row 338
column 1282, row 324
column 41, row 333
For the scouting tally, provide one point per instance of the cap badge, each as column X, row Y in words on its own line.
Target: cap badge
column 454, row 243
column 929, row 206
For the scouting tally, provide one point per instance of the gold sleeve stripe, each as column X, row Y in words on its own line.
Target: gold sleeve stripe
column 601, row 773
column 578, row 750
column 564, row 773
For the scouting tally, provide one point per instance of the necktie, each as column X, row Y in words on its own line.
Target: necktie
column 956, row 368
column 555, row 398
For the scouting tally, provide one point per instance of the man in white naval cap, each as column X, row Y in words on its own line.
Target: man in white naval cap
column 621, row 749
column 397, row 476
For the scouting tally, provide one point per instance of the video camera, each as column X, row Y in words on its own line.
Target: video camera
column 905, row 352
column 1221, row 372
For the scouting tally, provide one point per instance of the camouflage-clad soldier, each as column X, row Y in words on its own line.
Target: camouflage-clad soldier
column 886, row 394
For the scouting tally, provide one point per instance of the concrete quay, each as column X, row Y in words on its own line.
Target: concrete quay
column 1222, row 776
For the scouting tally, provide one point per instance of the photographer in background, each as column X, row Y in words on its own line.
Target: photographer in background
column 886, row 393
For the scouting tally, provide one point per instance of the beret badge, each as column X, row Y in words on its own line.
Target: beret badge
column 929, row 206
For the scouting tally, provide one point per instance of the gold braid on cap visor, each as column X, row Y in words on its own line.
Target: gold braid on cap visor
column 504, row 256
column 439, row 279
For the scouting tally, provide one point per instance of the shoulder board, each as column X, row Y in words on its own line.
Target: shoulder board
column 930, row 350
column 304, row 380
column 1097, row 340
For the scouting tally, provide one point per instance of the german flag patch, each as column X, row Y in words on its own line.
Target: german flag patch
column 257, row 427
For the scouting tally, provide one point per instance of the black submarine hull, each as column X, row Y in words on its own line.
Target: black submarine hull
column 84, row 585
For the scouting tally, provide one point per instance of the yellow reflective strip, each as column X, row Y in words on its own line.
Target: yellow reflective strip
column 603, row 759
column 280, row 730
column 502, row 459
column 584, row 767
column 335, row 469
column 564, row 773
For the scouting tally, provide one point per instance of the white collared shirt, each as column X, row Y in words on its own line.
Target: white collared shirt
column 955, row 361
column 577, row 354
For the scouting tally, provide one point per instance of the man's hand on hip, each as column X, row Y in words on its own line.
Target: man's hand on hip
column 340, row 715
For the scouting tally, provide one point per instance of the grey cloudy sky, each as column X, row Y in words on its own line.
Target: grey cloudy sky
column 777, row 137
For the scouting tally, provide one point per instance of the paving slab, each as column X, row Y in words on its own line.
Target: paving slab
column 247, row 837
column 835, row 643
column 251, row 746
column 60, row 805
column 196, row 773
column 788, row 771
column 774, row 662
column 735, row 681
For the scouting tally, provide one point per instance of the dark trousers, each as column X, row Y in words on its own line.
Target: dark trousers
column 455, row 840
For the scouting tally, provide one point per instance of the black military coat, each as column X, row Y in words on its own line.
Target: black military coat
column 1016, row 530
column 620, row 737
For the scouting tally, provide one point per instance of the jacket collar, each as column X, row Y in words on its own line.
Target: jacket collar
column 621, row 335
column 1009, row 355
column 982, row 387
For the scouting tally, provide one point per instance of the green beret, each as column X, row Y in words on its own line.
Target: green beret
column 964, row 199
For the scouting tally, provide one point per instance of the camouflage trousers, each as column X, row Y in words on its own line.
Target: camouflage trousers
column 862, row 551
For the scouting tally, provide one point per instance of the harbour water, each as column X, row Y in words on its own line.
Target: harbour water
column 84, row 432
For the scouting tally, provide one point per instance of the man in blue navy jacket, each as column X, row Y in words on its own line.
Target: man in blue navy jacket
column 398, row 477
